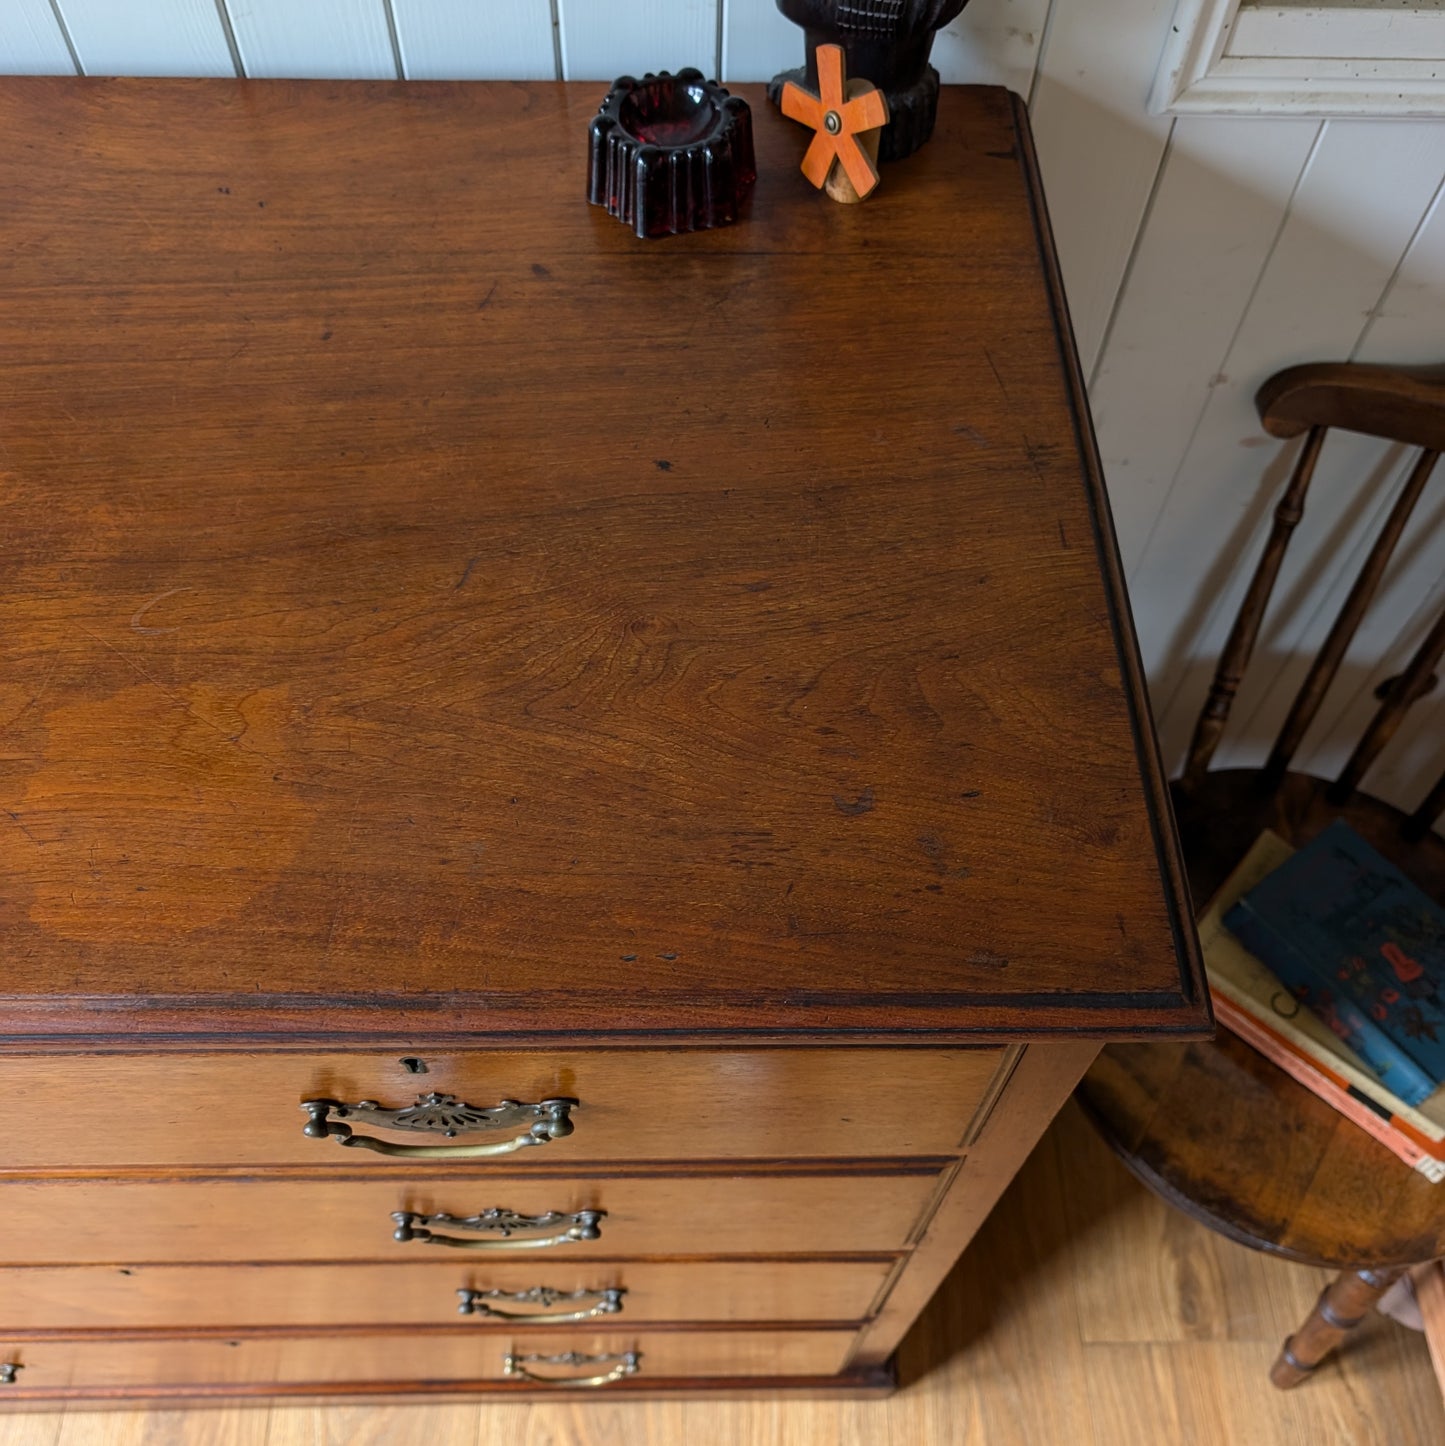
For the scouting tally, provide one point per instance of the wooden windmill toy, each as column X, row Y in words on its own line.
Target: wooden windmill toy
column 848, row 116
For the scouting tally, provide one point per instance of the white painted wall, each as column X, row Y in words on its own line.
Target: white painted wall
column 1200, row 254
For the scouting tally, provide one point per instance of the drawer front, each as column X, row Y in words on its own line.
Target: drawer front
column 623, row 1293
column 226, row 1110
column 78, row 1222
column 75, row 1366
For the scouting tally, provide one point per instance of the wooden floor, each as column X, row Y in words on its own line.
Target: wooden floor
column 1085, row 1313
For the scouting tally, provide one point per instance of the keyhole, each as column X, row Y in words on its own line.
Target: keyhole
column 412, row 1065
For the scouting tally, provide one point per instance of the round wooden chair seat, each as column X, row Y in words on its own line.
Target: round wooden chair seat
column 1218, row 1130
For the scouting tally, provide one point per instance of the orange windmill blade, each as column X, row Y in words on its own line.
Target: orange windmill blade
column 847, row 119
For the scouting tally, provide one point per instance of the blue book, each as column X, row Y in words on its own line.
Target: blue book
column 1359, row 943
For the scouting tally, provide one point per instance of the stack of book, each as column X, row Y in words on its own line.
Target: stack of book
column 1330, row 962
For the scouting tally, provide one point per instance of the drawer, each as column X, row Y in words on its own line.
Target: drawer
column 115, row 1364
column 225, row 1110
column 189, row 1221
column 229, row 1297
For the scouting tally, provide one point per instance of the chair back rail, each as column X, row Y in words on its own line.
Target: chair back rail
column 1403, row 404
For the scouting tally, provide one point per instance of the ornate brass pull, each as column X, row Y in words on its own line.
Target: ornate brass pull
column 628, row 1364
column 9, row 1370
column 581, row 1225
column 605, row 1302
column 441, row 1115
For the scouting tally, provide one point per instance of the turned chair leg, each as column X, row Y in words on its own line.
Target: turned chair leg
column 1342, row 1305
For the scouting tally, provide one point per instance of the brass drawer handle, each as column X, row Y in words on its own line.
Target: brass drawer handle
column 581, row 1225
column 628, row 1364
column 605, row 1302
column 441, row 1115
column 9, row 1370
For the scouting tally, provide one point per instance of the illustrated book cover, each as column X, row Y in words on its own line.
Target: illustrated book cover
column 1363, row 947
column 1254, row 1004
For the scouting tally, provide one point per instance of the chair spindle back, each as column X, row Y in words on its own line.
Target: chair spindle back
column 1404, row 405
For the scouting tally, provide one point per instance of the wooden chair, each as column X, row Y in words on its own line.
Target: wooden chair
column 1215, row 1128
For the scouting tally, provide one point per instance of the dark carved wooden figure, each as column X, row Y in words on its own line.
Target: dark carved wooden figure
column 886, row 42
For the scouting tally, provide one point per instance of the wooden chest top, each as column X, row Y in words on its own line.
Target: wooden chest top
column 430, row 609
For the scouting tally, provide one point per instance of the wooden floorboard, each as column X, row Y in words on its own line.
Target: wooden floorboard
column 1085, row 1313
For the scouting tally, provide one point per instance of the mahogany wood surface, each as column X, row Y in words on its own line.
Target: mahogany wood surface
column 362, row 1400
column 438, row 621
column 430, row 609
column 1064, row 1287
column 76, row 1366
column 1040, row 1084
column 424, row 1293
column 126, row 1222
column 241, row 1110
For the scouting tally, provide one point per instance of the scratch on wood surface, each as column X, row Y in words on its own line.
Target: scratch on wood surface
column 20, row 824
column 39, row 694
column 988, row 356
column 144, row 608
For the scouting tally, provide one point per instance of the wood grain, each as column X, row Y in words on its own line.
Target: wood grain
column 463, row 1359
column 59, row 1222
column 424, row 1292
column 716, row 732
column 1073, row 1221
column 239, row 1111
column 453, row 621
column 1042, row 1080
column 1332, row 1193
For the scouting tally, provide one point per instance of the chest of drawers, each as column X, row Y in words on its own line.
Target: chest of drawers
column 573, row 806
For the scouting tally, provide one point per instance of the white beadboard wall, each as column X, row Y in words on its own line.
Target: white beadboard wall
column 1199, row 254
